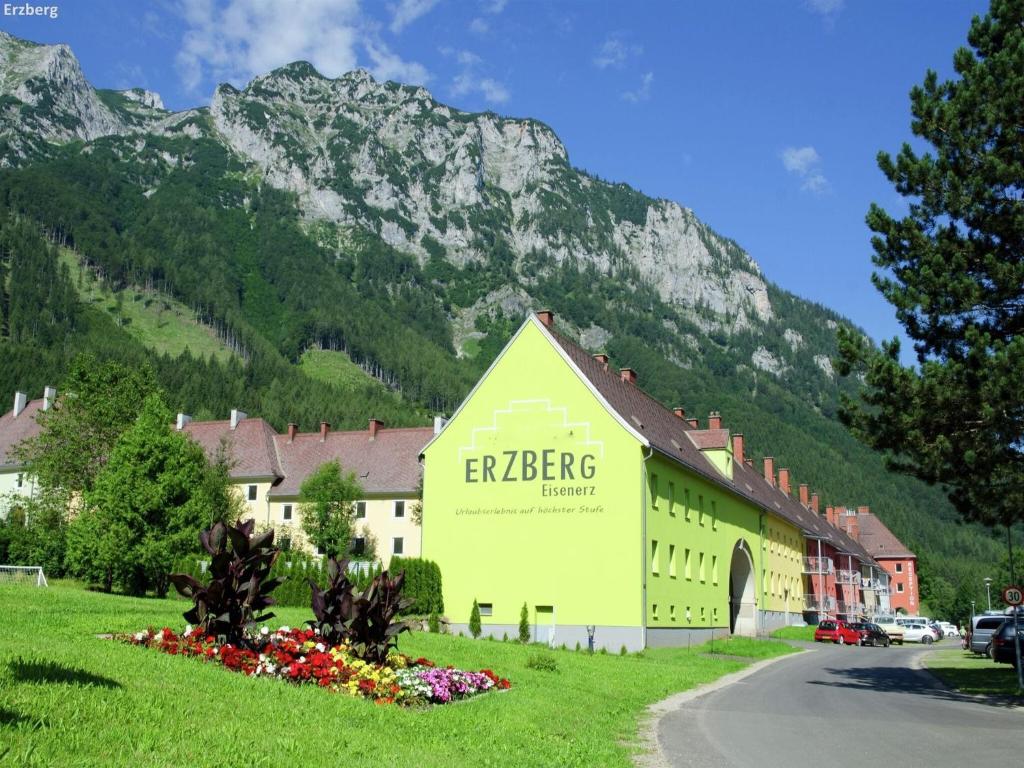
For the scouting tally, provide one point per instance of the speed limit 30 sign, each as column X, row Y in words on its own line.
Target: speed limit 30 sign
column 1013, row 595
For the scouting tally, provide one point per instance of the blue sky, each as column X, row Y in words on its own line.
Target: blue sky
column 763, row 117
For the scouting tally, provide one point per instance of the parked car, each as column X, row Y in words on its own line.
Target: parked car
column 1003, row 649
column 980, row 637
column 919, row 633
column 949, row 630
column 870, row 634
column 838, row 632
column 891, row 628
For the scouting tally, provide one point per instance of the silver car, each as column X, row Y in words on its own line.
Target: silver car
column 982, row 628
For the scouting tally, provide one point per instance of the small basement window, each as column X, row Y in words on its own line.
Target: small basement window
column 486, row 609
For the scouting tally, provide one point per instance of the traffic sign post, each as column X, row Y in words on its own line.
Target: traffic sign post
column 1014, row 597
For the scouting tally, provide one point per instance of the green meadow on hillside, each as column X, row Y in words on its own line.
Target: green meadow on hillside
column 68, row 697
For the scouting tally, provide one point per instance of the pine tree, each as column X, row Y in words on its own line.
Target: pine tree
column 474, row 620
column 524, row 625
column 953, row 267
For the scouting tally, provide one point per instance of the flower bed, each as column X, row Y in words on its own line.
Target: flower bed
column 299, row 656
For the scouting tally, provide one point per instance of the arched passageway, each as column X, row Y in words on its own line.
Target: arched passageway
column 742, row 599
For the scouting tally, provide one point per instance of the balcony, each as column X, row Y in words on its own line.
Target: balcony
column 849, row 609
column 818, row 565
column 826, row 604
column 847, row 577
column 878, row 586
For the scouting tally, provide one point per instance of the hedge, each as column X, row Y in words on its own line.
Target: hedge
column 422, row 584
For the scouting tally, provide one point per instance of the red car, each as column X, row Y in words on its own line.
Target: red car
column 836, row 632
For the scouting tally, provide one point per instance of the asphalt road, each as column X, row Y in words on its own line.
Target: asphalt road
column 841, row 706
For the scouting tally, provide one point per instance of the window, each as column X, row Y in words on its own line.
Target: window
column 654, row 557
column 486, row 609
column 686, row 563
column 701, row 568
column 899, row 588
column 654, row 611
column 286, row 512
column 714, row 614
column 714, row 515
column 672, row 612
column 252, row 493
column 654, row 491
column 703, row 613
column 672, row 498
column 400, row 508
column 672, row 560
column 899, row 567
column 21, row 480
column 686, row 503
column 397, row 545
column 360, row 510
column 700, row 510
column 714, row 569
column 358, row 545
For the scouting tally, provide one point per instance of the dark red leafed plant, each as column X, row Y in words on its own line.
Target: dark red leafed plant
column 239, row 587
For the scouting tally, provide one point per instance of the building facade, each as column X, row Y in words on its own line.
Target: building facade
column 267, row 470
column 17, row 425
column 893, row 557
column 560, row 485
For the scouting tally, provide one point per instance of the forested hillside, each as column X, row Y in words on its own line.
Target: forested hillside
column 416, row 251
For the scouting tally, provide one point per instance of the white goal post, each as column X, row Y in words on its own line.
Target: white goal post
column 22, row 573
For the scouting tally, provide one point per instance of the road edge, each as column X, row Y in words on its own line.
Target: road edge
column 650, row 754
column 1009, row 702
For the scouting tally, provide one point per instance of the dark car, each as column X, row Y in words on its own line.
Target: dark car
column 1003, row 650
column 835, row 632
column 870, row 634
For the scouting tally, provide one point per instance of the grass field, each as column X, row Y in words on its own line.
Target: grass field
column 157, row 321
column 335, row 368
column 970, row 673
column 795, row 633
column 70, row 698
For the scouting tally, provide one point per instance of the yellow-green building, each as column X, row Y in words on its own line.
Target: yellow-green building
column 560, row 484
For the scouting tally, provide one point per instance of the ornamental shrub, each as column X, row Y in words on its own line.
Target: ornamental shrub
column 422, row 584
column 474, row 620
column 524, row 625
column 434, row 623
column 543, row 662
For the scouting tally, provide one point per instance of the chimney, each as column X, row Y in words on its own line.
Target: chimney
column 293, row 429
column 830, row 515
column 714, row 420
column 546, row 316
column 628, row 375
column 20, row 402
column 693, row 423
column 853, row 523
column 324, row 428
column 375, row 426
column 181, row 421
column 439, row 422
column 804, row 494
column 784, row 481
column 49, row 397
column 769, row 470
column 602, row 358
column 749, row 462
column 863, row 510
column 679, row 412
column 814, row 503
column 237, row 416
column 737, row 447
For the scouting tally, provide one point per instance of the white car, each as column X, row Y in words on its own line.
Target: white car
column 949, row 630
column 918, row 633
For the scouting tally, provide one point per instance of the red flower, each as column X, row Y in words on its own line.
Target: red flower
column 504, row 684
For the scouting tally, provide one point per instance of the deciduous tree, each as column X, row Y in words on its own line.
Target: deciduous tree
column 326, row 501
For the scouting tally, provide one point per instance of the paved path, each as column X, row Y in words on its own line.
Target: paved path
column 842, row 706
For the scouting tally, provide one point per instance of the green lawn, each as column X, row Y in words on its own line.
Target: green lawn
column 795, row 633
column 70, row 698
column 970, row 673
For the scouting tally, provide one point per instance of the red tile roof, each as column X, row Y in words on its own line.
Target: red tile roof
column 250, row 446
column 388, row 463
column 878, row 540
column 14, row 430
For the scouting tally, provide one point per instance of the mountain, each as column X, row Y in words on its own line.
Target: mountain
column 408, row 238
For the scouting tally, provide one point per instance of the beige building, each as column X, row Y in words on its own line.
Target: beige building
column 268, row 470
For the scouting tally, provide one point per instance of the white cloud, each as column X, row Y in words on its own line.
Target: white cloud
column 614, row 52
column 469, row 80
column 494, row 6
column 805, row 162
column 643, row 93
column 407, row 11
column 479, row 26
column 235, row 40
column 825, row 7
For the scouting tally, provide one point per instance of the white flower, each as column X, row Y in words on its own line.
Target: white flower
column 140, row 636
column 188, row 630
column 264, row 630
column 284, row 630
column 320, row 647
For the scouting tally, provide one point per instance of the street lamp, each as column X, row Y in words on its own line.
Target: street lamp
column 988, row 591
column 972, row 611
